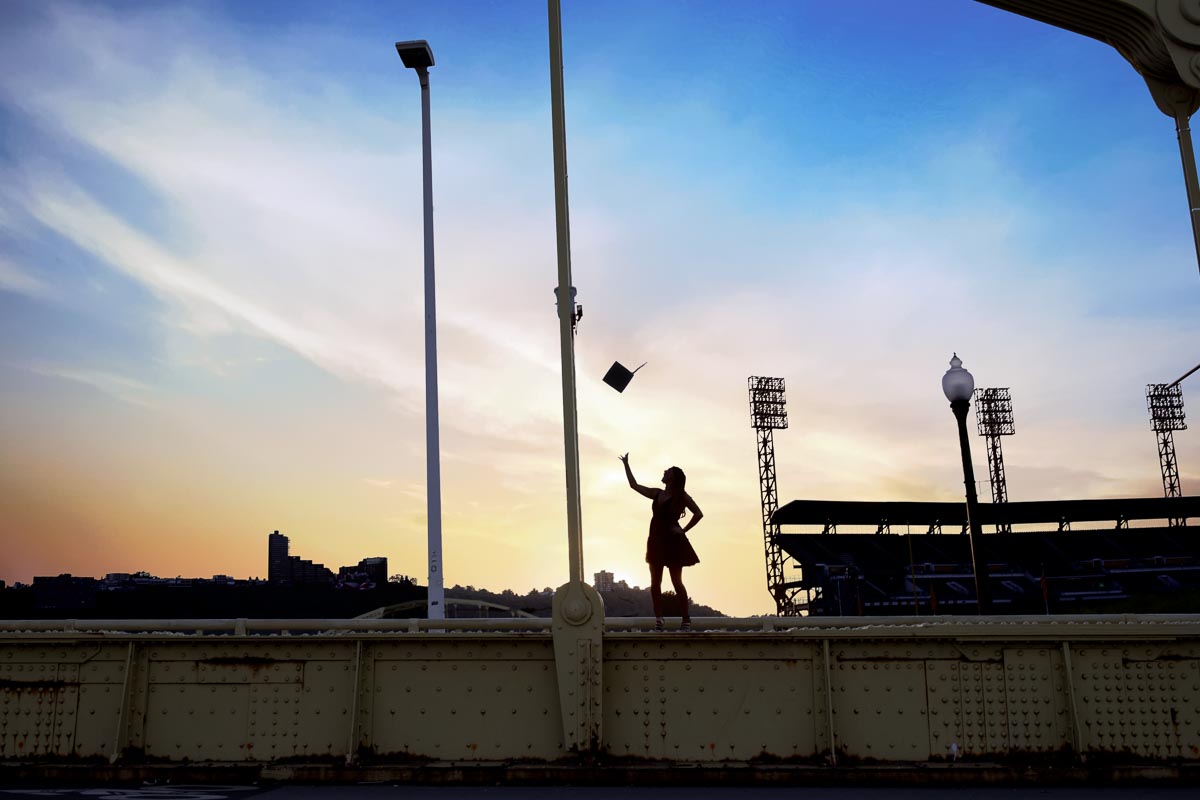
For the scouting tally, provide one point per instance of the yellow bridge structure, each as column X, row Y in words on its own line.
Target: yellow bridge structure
column 304, row 699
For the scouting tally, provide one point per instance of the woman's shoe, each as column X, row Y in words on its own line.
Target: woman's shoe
column 686, row 626
column 659, row 627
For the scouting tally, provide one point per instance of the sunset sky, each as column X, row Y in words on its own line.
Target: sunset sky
column 211, row 291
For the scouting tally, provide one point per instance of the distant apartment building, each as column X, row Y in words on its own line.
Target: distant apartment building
column 604, row 581
column 282, row 567
column 277, row 558
column 128, row 581
column 375, row 568
column 64, row 592
column 368, row 572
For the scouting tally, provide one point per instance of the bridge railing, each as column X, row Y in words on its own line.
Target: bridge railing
column 1082, row 625
column 1124, row 689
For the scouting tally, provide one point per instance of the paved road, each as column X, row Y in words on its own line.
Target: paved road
column 389, row 792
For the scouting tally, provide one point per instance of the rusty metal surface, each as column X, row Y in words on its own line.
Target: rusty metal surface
column 1115, row 689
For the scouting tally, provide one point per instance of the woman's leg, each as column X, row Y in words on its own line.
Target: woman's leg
column 656, row 589
column 681, row 591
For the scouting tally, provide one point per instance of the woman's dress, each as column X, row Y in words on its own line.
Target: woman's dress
column 667, row 544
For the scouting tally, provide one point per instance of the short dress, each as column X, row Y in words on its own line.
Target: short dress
column 667, row 544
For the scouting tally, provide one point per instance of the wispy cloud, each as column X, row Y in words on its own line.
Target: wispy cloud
column 122, row 388
column 14, row 279
column 378, row 482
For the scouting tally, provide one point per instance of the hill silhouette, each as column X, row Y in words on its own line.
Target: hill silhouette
column 66, row 596
column 622, row 601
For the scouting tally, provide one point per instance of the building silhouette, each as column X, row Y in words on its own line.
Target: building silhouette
column 367, row 573
column 295, row 587
column 604, row 581
column 64, row 592
column 282, row 567
column 277, row 558
column 285, row 568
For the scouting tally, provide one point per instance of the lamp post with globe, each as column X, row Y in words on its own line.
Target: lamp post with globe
column 958, row 384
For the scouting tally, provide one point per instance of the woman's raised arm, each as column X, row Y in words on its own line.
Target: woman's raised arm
column 633, row 484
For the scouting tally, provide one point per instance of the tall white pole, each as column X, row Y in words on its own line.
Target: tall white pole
column 433, row 469
column 566, row 308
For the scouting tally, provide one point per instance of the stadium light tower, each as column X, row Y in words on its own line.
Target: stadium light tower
column 1165, row 403
column 994, row 418
column 768, row 413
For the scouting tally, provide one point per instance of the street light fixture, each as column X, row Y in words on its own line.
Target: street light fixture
column 957, row 384
column 416, row 55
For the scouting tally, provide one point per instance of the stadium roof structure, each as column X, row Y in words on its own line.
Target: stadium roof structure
column 933, row 514
column 1056, row 553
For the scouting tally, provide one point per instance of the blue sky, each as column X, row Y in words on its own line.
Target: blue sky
column 210, row 272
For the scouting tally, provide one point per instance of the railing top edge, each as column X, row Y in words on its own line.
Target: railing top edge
column 807, row 627
column 271, row 626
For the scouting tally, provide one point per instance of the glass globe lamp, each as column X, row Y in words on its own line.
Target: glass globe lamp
column 957, row 383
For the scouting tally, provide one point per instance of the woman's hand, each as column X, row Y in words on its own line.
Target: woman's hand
column 624, row 459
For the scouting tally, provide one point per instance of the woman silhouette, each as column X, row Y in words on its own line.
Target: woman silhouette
column 668, row 545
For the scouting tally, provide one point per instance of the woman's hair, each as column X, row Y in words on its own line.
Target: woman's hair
column 677, row 487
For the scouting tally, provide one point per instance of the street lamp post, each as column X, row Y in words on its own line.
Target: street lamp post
column 565, row 297
column 416, row 55
column 958, row 385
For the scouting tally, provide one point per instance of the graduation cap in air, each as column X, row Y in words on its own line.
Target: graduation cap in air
column 618, row 376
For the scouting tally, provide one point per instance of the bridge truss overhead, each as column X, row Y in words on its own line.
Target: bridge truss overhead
column 1160, row 39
